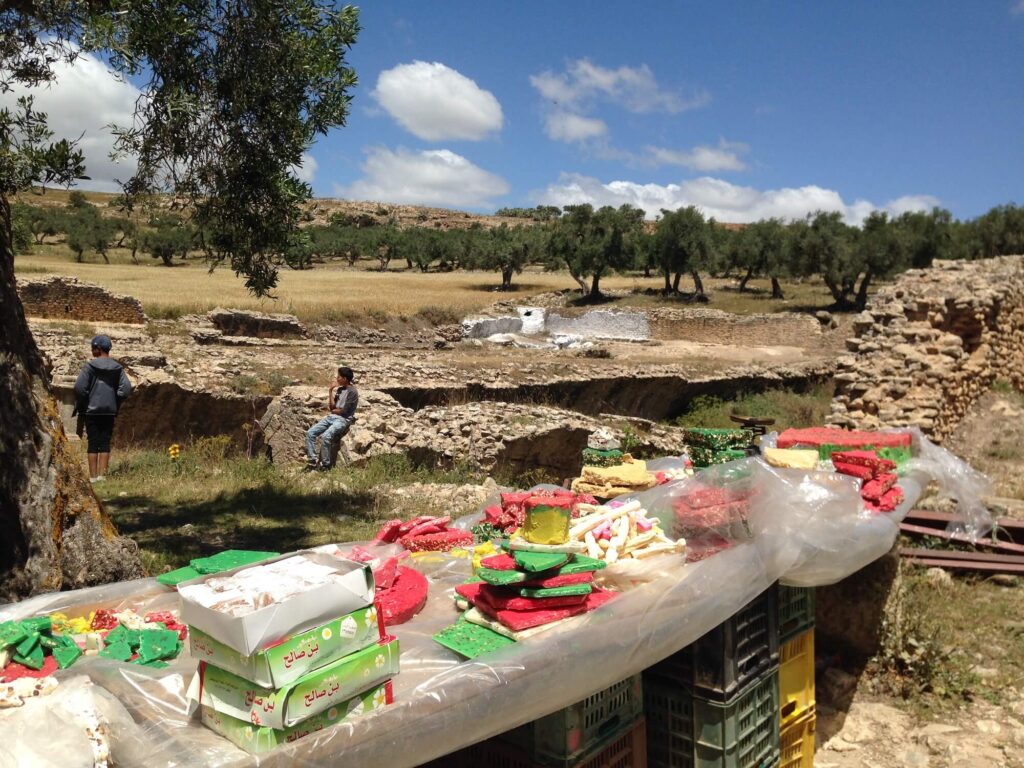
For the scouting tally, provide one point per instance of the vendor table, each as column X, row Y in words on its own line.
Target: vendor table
column 807, row 529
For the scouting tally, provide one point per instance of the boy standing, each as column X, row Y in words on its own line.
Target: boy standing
column 342, row 402
column 100, row 389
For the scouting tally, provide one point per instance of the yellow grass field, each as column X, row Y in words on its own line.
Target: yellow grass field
column 336, row 292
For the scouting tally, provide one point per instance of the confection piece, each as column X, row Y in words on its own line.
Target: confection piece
column 67, row 654
column 535, row 562
column 873, row 490
column 229, row 559
column 518, row 620
column 888, row 502
column 120, row 651
column 560, row 580
column 157, row 644
column 864, row 458
column 570, row 590
column 895, row 446
column 791, row 458
column 568, row 548
column 547, row 520
column 174, row 578
column 404, row 598
column 438, row 542
column 854, row 470
column 33, row 659
column 474, row 616
column 15, row 671
column 471, row 640
column 12, row 633
column 501, row 578
column 502, row 562
column 593, row 457
column 498, row 598
column 14, row 693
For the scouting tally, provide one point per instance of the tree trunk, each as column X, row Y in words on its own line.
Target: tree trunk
column 837, row 294
column 862, row 292
column 777, row 289
column 698, row 284
column 135, row 249
column 506, row 279
column 408, row 263
column 647, row 270
column 168, row 259
column 595, row 287
column 675, row 282
column 746, row 279
column 581, row 283
column 668, row 283
column 53, row 531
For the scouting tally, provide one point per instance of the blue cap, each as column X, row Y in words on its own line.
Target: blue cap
column 102, row 342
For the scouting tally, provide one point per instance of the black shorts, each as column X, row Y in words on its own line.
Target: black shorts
column 99, row 430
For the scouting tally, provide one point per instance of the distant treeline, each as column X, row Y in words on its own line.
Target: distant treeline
column 589, row 243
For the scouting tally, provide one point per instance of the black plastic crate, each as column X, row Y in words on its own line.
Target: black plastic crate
column 685, row 730
column 729, row 657
column 568, row 733
column 796, row 611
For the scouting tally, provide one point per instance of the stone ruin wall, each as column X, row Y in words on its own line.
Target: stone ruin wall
column 66, row 298
column 713, row 326
column 930, row 344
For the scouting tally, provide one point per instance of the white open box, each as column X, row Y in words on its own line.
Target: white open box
column 266, row 626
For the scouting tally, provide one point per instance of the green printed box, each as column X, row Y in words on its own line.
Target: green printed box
column 317, row 692
column 295, row 656
column 255, row 739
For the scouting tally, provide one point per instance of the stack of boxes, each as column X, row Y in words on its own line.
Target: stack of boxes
column 296, row 661
column 716, row 702
column 796, row 676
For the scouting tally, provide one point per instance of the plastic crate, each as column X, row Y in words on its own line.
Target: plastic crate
column 796, row 677
column 796, row 743
column 570, row 732
column 687, row 731
column 625, row 749
column 796, row 611
column 729, row 657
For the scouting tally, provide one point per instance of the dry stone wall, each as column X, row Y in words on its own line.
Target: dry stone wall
column 930, row 344
column 67, row 298
column 713, row 326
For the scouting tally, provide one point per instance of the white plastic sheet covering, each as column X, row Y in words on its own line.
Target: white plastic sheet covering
column 805, row 528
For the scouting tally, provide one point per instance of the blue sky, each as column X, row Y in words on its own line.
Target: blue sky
column 745, row 109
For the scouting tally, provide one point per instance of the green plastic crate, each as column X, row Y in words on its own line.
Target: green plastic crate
column 687, row 731
column 796, row 611
column 569, row 733
column 729, row 657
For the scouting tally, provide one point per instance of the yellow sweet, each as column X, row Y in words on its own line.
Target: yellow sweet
column 481, row 551
column 547, row 525
column 791, row 458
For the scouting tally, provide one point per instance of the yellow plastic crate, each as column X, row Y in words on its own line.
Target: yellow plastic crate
column 797, row 742
column 796, row 677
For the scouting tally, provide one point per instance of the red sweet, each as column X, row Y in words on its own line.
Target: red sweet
column 517, row 620
column 385, row 573
column 13, row 671
column 498, row 599
column 815, row 436
column 875, row 489
column 863, row 458
column 435, row 525
column 438, row 542
column 104, row 619
column 710, row 516
column 502, row 562
column 169, row 621
column 558, row 581
column 404, row 598
column 853, row 470
column 711, row 496
column 389, row 532
column 493, row 514
column 889, row 501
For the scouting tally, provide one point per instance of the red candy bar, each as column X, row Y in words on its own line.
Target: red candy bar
column 816, row 436
column 104, row 619
column 854, row 470
column 558, row 581
column 385, row 573
column 502, row 562
column 875, row 489
column 404, row 598
column 863, row 458
column 889, row 501
column 498, row 599
column 13, row 671
column 438, row 542
column 390, row 532
column 436, row 525
column 517, row 620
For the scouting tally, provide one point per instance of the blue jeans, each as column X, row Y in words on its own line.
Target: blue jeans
column 328, row 427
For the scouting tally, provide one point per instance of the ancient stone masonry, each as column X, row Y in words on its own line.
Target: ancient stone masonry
column 70, row 299
column 713, row 326
column 240, row 322
column 929, row 345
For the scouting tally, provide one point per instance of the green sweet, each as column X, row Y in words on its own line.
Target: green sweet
column 535, row 562
column 66, row 655
column 33, row 659
column 11, row 633
column 158, row 644
column 174, row 578
column 38, row 624
column 581, row 564
column 120, row 651
column 228, row 559
column 471, row 640
column 26, row 646
column 566, row 591
column 501, row 578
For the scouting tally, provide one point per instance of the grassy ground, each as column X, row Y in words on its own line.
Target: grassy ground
column 208, row 500
column 788, row 408
column 335, row 292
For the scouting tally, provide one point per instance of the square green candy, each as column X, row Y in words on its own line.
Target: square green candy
column 66, row 654
column 26, row 646
column 119, row 651
column 471, row 640
column 535, row 562
column 33, row 659
column 566, row 591
column 11, row 633
column 38, row 624
column 157, row 644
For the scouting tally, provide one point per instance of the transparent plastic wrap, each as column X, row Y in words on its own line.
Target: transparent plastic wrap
column 806, row 528
column 956, row 479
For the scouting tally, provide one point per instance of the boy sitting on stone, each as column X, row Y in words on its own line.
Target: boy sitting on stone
column 342, row 402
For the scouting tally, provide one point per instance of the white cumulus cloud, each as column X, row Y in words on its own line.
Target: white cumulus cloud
column 718, row 198
column 570, row 127
column 84, row 99
column 436, row 177
column 632, row 88
column 435, row 103
column 702, row 158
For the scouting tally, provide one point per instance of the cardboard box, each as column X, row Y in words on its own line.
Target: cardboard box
column 256, row 739
column 297, row 655
column 317, row 692
column 267, row 626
